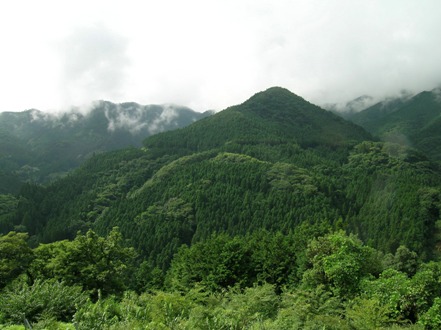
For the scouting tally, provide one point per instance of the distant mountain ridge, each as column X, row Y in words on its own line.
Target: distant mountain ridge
column 360, row 103
column 414, row 121
column 38, row 146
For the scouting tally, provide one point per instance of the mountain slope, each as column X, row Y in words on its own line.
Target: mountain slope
column 368, row 117
column 274, row 162
column 414, row 121
column 274, row 117
column 38, row 146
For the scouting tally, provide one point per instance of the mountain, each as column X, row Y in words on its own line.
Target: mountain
column 38, row 146
column 274, row 117
column 274, row 162
column 350, row 107
column 413, row 121
column 244, row 219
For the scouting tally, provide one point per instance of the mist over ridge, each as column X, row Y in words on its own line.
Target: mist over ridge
column 40, row 146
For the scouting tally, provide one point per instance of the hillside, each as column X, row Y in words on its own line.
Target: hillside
column 274, row 162
column 37, row 146
column 274, row 117
column 273, row 213
column 413, row 121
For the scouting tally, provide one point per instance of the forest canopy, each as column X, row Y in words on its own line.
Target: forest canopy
column 271, row 214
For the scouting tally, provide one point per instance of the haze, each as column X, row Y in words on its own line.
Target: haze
column 212, row 54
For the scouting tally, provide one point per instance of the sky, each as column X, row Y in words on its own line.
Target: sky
column 211, row 54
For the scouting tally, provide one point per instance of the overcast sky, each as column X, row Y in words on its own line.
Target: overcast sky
column 211, row 54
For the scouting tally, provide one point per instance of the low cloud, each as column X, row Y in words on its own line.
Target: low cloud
column 120, row 118
column 167, row 115
column 56, row 119
column 437, row 93
column 135, row 117
column 36, row 115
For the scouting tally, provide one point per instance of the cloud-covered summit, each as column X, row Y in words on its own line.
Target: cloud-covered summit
column 39, row 146
column 152, row 119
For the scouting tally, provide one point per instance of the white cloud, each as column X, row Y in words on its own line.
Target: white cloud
column 93, row 64
column 167, row 115
column 125, row 119
column 209, row 54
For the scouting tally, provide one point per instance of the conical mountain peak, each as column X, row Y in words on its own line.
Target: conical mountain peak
column 275, row 114
column 276, row 91
column 275, row 100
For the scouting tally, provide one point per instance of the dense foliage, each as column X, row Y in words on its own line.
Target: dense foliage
column 272, row 214
column 309, row 279
column 413, row 121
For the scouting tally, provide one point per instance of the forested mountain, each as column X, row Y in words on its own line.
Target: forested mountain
column 274, row 118
column 273, row 162
column 37, row 146
column 413, row 121
column 351, row 107
column 257, row 203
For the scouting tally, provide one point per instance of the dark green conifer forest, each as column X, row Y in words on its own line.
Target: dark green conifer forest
column 271, row 214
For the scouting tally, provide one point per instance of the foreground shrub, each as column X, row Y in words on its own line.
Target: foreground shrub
column 131, row 312
column 42, row 299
